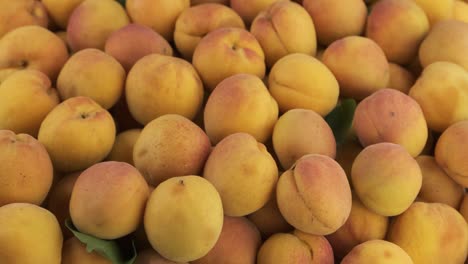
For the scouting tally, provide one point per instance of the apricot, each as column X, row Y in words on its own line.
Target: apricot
column 378, row 252
column 59, row 200
column 122, row 150
column 437, row 186
column 314, row 196
column 443, row 101
column 132, row 42
column 17, row 113
column 158, row 85
column 170, row 146
column 238, row 242
column 249, row 9
column 401, row 79
column 389, row 115
column 15, row 14
column 320, row 248
column 77, row 133
column 359, row 65
column 301, row 81
column 94, row 74
column 240, row 103
column 436, row 10
column 236, row 45
column 241, row 193
column 160, row 15
column 284, row 28
column 441, row 230
column 60, row 10
column 269, row 220
column 108, row 200
column 90, row 24
column 446, row 41
column 362, row 225
column 197, row 21
column 27, row 173
column 184, row 218
column 63, row 36
column 460, row 11
column 32, row 47
column 386, row 20
column 299, row 132
column 335, row 19
column 29, row 235
column 450, row 152
column 284, row 248
column 5, row 73
column 386, row 170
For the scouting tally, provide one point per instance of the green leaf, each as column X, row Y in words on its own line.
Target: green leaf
column 341, row 119
column 122, row 2
column 109, row 249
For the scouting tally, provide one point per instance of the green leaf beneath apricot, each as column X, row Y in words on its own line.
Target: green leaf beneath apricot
column 110, row 249
column 341, row 119
column 122, row 2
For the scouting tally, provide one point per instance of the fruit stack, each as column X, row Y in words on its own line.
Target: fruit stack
column 233, row 131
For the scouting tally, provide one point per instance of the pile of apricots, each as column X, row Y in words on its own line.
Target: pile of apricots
column 233, row 131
